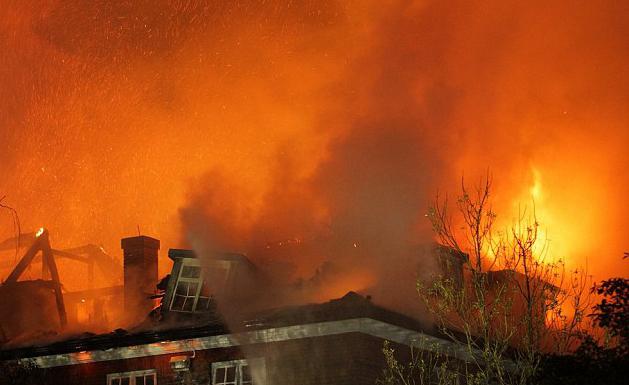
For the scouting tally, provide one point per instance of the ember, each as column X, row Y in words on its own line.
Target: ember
column 304, row 141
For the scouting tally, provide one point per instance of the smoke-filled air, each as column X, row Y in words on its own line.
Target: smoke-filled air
column 312, row 136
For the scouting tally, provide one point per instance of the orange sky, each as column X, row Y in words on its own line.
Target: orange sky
column 280, row 118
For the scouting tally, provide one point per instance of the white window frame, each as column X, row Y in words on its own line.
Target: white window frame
column 198, row 281
column 132, row 375
column 239, row 364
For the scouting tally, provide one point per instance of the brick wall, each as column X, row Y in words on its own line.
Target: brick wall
column 347, row 359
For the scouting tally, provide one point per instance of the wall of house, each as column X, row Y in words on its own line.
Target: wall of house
column 347, row 359
column 96, row 373
column 28, row 310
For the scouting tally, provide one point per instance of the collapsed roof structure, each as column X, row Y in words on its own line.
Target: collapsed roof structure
column 182, row 336
column 19, row 318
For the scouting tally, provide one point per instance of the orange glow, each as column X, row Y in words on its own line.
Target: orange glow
column 318, row 120
column 356, row 281
column 570, row 228
column 83, row 356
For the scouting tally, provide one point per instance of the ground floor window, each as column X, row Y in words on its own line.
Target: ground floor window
column 237, row 372
column 139, row 377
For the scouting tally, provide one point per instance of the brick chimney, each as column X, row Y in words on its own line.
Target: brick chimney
column 140, row 275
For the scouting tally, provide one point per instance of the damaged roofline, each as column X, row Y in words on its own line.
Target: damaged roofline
column 367, row 326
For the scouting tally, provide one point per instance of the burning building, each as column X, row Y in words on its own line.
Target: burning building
column 89, row 308
column 235, row 124
column 184, row 337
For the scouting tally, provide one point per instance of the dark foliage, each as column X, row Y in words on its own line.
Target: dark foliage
column 612, row 313
column 593, row 363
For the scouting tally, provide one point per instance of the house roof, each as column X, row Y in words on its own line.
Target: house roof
column 181, row 253
column 223, row 256
column 115, row 339
column 350, row 306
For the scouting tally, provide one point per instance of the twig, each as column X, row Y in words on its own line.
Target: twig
column 16, row 227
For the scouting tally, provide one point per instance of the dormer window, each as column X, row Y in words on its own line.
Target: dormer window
column 193, row 286
column 191, row 293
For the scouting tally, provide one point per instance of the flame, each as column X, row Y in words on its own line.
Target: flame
column 536, row 188
column 563, row 231
column 39, row 232
column 541, row 215
column 135, row 112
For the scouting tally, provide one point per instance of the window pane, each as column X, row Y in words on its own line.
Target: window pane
column 219, row 376
column 125, row 381
column 192, row 289
column 182, row 288
column 203, row 304
column 178, row 302
column 115, row 381
column 188, row 305
column 191, row 272
column 150, row 379
column 246, row 374
column 231, row 374
column 139, row 380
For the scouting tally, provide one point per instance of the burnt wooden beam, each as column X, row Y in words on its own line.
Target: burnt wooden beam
column 25, row 260
column 106, row 264
column 65, row 254
column 94, row 293
column 49, row 260
column 58, row 253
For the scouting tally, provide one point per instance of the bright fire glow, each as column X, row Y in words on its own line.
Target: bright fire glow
column 138, row 112
column 560, row 234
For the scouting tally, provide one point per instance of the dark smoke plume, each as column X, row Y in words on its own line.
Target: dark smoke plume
column 329, row 122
